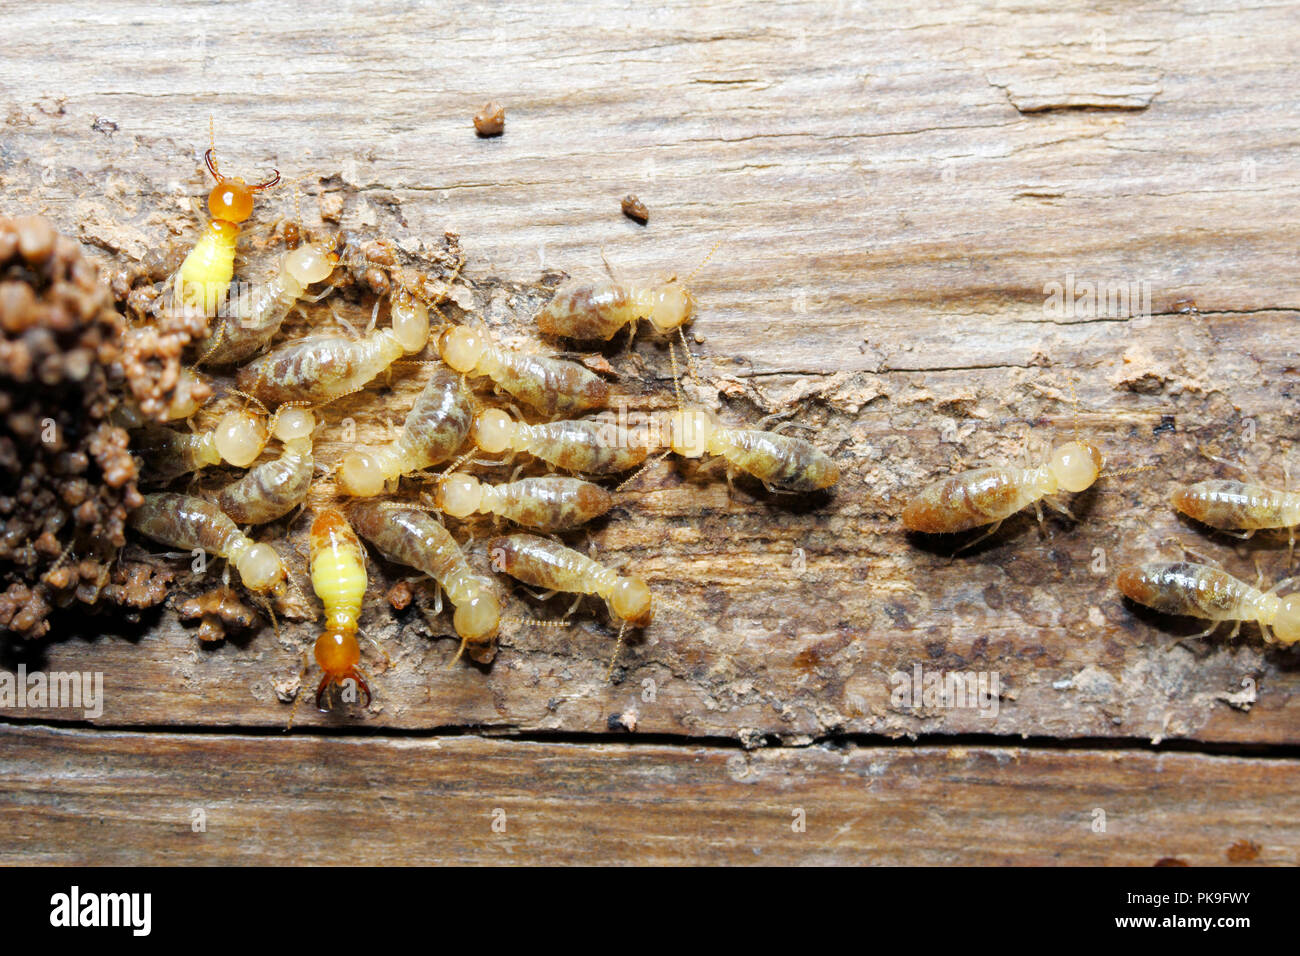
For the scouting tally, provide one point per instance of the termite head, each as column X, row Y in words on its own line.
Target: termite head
column 690, row 433
column 361, row 474
column 410, row 322
column 671, row 307
column 630, row 601
column 494, row 431
column 1075, row 465
column 478, row 619
column 1286, row 626
column 308, row 264
column 240, row 438
column 459, row 495
column 461, row 348
column 185, row 401
column 294, row 424
column 338, row 655
column 261, row 569
column 231, row 200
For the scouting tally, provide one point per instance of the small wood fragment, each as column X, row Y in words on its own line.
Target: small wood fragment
column 635, row 209
column 490, row 120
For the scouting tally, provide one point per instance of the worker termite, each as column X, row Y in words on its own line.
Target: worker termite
column 321, row 368
column 991, row 495
column 597, row 310
column 1199, row 590
column 549, row 503
column 205, row 274
column 435, row 427
column 338, row 576
column 274, row 488
column 237, row 439
column 1240, row 507
column 551, row 386
column 183, row 521
column 412, row 537
column 580, row 445
column 245, row 330
column 781, row 462
column 548, row 564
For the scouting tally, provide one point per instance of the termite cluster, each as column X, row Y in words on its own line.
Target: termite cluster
column 246, row 386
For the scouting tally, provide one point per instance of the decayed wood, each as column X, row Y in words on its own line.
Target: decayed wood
column 895, row 191
column 84, row 797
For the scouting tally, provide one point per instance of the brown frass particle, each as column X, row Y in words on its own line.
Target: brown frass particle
column 490, row 120
column 635, row 209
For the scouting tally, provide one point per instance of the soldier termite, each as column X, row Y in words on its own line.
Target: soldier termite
column 183, row 521
column 1199, row 590
column 412, row 537
column 274, row 488
column 1240, row 507
column 321, row 368
column 579, row 445
column 206, row 272
column 597, row 310
column 548, row 564
column 237, row 439
column 338, row 576
column 435, row 427
column 249, row 328
column 549, row 503
column 549, row 385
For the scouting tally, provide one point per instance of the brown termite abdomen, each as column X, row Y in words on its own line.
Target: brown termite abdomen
column 779, row 461
column 274, row 488
column 189, row 523
column 256, row 319
column 321, row 368
column 435, row 428
column 549, row 503
column 1199, row 590
column 551, row 386
column 579, row 445
column 414, row 538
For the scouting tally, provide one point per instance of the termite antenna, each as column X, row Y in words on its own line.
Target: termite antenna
column 618, row 646
column 459, row 651
column 703, row 262
column 297, row 698
column 637, row 474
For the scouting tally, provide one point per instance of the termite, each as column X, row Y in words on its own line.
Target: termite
column 274, row 488
column 1240, row 507
column 238, row 439
column 597, row 310
column 1199, row 590
column 338, row 576
column 991, row 495
column 781, row 462
column 549, row 385
column 247, row 330
column 206, row 272
column 321, row 368
column 412, row 537
column 549, row 503
column 579, row 445
column 434, row 429
column 189, row 523
column 547, row 564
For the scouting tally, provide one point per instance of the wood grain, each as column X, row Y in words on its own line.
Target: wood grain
column 896, row 190
column 84, row 797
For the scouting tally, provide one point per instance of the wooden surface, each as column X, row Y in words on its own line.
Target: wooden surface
column 894, row 191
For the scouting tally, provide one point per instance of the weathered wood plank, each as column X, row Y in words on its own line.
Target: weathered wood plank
column 895, row 190
column 101, row 797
